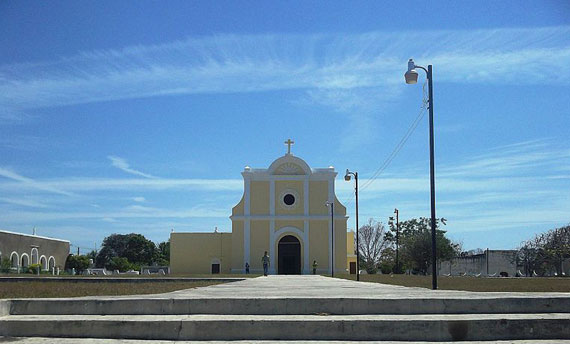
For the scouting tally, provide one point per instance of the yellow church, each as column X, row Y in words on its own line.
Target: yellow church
column 285, row 210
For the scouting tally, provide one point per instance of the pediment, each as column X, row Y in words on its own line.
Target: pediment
column 289, row 168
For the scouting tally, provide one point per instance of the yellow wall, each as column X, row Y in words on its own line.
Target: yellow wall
column 339, row 209
column 259, row 198
column 282, row 185
column 319, row 243
column 238, row 209
column 237, row 244
column 299, row 224
column 350, row 252
column 259, row 242
column 192, row 253
column 318, row 195
column 350, row 243
column 340, row 245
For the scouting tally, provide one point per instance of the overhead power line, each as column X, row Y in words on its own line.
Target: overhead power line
column 397, row 148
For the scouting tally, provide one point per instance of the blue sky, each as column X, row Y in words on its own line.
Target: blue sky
column 119, row 118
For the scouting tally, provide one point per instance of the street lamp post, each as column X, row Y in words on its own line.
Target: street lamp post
column 331, row 204
column 411, row 78
column 347, row 178
column 397, row 240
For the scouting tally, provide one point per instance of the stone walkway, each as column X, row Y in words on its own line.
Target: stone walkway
column 309, row 286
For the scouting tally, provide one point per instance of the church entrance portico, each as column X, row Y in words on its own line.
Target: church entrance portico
column 289, row 256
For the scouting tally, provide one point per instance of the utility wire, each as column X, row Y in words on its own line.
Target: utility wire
column 399, row 146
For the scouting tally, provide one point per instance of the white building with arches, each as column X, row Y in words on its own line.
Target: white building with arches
column 22, row 250
column 285, row 210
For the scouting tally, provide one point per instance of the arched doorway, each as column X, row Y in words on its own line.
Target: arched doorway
column 289, row 256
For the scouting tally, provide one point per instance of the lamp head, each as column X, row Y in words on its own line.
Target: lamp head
column 347, row 175
column 411, row 75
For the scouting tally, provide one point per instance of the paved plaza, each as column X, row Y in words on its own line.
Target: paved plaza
column 294, row 308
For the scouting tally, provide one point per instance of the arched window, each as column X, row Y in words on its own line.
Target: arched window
column 14, row 259
column 35, row 255
column 25, row 260
column 43, row 263
column 51, row 263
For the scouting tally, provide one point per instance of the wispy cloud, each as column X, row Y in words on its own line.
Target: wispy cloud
column 23, row 202
column 30, row 183
column 140, row 184
column 122, row 164
column 324, row 65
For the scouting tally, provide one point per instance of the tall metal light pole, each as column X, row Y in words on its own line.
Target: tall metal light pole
column 411, row 78
column 331, row 204
column 397, row 240
column 347, row 178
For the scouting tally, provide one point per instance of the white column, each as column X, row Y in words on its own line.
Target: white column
column 307, row 251
column 307, row 265
column 247, row 224
column 272, row 246
column 306, row 195
column 272, row 196
column 272, row 225
column 330, row 199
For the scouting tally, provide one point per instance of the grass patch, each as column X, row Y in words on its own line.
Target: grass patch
column 526, row 284
column 136, row 276
column 37, row 289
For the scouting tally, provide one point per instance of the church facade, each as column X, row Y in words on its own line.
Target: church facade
column 285, row 210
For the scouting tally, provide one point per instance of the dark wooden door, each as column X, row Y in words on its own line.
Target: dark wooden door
column 353, row 268
column 289, row 256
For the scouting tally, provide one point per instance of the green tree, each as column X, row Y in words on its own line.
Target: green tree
column 164, row 253
column 119, row 263
column 545, row 252
column 134, row 247
column 79, row 263
column 387, row 262
column 415, row 244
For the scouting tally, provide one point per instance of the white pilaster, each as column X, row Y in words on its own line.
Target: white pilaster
column 272, row 246
column 330, row 199
column 272, row 196
column 272, row 225
column 307, row 265
column 247, row 224
column 306, row 253
column 306, row 195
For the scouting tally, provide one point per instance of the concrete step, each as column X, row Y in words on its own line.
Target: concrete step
column 429, row 327
column 46, row 340
column 291, row 306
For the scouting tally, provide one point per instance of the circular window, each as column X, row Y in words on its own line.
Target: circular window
column 289, row 199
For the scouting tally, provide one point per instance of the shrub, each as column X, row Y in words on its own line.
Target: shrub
column 79, row 263
column 5, row 265
column 33, row 268
column 119, row 263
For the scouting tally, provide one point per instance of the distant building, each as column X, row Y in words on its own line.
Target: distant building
column 489, row 263
column 25, row 249
column 283, row 211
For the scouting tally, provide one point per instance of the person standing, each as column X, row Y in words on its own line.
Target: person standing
column 265, row 260
column 315, row 267
column 247, row 268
